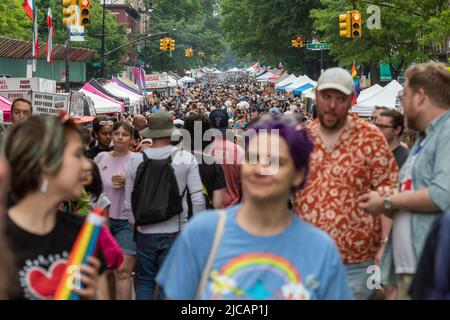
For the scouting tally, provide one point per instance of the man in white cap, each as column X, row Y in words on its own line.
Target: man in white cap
column 350, row 157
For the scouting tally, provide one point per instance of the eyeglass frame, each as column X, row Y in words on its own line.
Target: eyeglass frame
column 106, row 123
column 383, row 126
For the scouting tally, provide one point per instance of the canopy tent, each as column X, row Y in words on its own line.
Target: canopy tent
column 5, row 110
column 130, row 87
column 130, row 83
column 126, row 100
column 309, row 94
column 302, row 80
column 101, row 104
column 254, row 69
column 260, row 73
column 186, row 80
column 276, row 75
column 93, row 90
column 117, row 90
column 265, row 77
column 386, row 97
column 303, row 88
column 172, row 82
column 369, row 92
column 234, row 70
column 289, row 80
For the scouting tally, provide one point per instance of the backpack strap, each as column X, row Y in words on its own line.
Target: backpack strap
column 144, row 155
column 212, row 253
column 442, row 259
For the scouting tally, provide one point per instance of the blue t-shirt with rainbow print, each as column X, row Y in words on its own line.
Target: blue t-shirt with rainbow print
column 300, row 263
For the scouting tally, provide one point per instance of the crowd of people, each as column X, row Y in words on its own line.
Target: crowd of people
column 299, row 205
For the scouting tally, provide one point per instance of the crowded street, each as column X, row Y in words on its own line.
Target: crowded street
column 308, row 178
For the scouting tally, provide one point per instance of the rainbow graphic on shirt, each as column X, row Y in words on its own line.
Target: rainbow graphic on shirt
column 225, row 281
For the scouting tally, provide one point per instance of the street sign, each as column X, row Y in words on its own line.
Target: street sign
column 318, row 46
column 76, row 33
column 96, row 64
column 385, row 72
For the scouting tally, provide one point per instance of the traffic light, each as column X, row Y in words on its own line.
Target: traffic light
column 162, row 44
column 70, row 12
column 167, row 43
column 189, row 52
column 356, row 24
column 345, row 27
column 85, row 6
column 172, row 44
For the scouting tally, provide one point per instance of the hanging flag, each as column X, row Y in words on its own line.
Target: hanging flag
column 50, row 36
column 28, row 6
column 144, row 86
column 356, row 84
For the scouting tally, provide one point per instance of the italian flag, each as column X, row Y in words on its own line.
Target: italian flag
column 50, row 36
column 28, row 5
column 31, row 10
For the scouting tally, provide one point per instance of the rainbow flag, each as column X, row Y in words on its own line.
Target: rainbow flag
column 83, row 248
column 356, row 83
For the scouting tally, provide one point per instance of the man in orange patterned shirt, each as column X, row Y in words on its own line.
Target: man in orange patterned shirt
column 350, row 157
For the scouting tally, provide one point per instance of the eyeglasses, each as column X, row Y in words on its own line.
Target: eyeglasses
column 106, row 123
column 383, row 126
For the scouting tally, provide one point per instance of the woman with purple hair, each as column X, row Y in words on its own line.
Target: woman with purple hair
column 260, row 249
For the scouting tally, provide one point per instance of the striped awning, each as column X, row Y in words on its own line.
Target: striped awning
column 21, row 49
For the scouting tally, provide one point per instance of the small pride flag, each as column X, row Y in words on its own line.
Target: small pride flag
column 83, row 248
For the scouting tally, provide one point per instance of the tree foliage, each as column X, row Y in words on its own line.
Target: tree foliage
column 405, row 35
column 262, row 30
column 192, row 23
column 115, row 34
column 14, row 22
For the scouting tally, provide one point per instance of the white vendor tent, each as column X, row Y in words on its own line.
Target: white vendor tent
column 115, row 89
column 102, row 105
column 386, row 97
column 185, row 80
column 289, row 80
column 302, row 80
column 265, row 77
column 369, row 92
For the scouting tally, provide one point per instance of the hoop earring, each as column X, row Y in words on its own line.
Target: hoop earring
column 44, row 186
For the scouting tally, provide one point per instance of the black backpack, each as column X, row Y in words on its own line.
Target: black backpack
column 156, row 196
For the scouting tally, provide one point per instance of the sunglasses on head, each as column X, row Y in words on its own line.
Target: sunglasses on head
column 106, row 123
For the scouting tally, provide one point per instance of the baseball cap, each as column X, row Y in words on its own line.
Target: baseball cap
column 338, row 79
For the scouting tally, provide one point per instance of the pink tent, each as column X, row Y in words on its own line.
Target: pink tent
column 90, row 88
column 5, row 109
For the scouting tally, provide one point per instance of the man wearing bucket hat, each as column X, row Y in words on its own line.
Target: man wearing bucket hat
column 350, row 157
column 154, row 241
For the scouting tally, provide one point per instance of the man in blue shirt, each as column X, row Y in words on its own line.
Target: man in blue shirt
column 424, row 181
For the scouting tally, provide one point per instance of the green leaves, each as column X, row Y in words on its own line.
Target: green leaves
column 14, row 22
